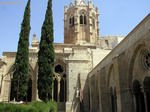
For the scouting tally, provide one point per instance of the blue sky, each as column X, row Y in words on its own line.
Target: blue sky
column 117, row 17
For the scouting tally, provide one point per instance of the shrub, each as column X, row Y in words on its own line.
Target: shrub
column 50, row 106
column 36, row 106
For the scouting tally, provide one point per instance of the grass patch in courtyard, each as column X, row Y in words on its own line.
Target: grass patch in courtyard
column 36, row 106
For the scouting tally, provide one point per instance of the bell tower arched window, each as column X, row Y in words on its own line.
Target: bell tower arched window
column 83, row 19
column 71, row 21
column 93, row 23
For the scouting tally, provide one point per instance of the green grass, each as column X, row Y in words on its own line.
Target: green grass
column 36, row 106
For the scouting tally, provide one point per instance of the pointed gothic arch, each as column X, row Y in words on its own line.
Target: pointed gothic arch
column 132, row 83
column 83, row 20
column 83, row 17
column 71, row 20
column 7, row 82
column 60, row 83
column 132, row 61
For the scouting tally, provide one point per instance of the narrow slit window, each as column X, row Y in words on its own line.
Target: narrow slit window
column 81, row 19
column 84, row 19
column 72, row 21
column 93, row 22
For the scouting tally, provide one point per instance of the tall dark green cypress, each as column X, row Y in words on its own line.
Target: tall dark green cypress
column 21, row 67
column 46, row 57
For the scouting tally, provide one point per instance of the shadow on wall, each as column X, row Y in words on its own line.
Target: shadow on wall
column 76, row 105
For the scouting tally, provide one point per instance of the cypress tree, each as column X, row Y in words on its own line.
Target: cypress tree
column 21, row 67
column 46, row 57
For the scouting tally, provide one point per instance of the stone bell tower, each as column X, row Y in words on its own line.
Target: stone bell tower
column 81, row 25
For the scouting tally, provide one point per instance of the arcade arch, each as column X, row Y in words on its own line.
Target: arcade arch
column 6, row 82
column 60, row 82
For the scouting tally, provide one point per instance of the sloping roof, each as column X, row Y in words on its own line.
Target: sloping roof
column 120, row 48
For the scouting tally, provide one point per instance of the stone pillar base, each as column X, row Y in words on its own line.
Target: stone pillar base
column 73, row 107
column 69, row 107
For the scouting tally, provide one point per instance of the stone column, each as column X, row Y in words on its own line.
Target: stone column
column 145, row 100
column 144, row 97
column 145, row 92
column 135, row 103
column 58, row 94
column 53, row 90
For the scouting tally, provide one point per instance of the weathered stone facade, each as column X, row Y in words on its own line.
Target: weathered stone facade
column 115, row 80
column 83, row 24
column 121, row 81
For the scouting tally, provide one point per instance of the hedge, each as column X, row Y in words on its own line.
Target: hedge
column 36, row 106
